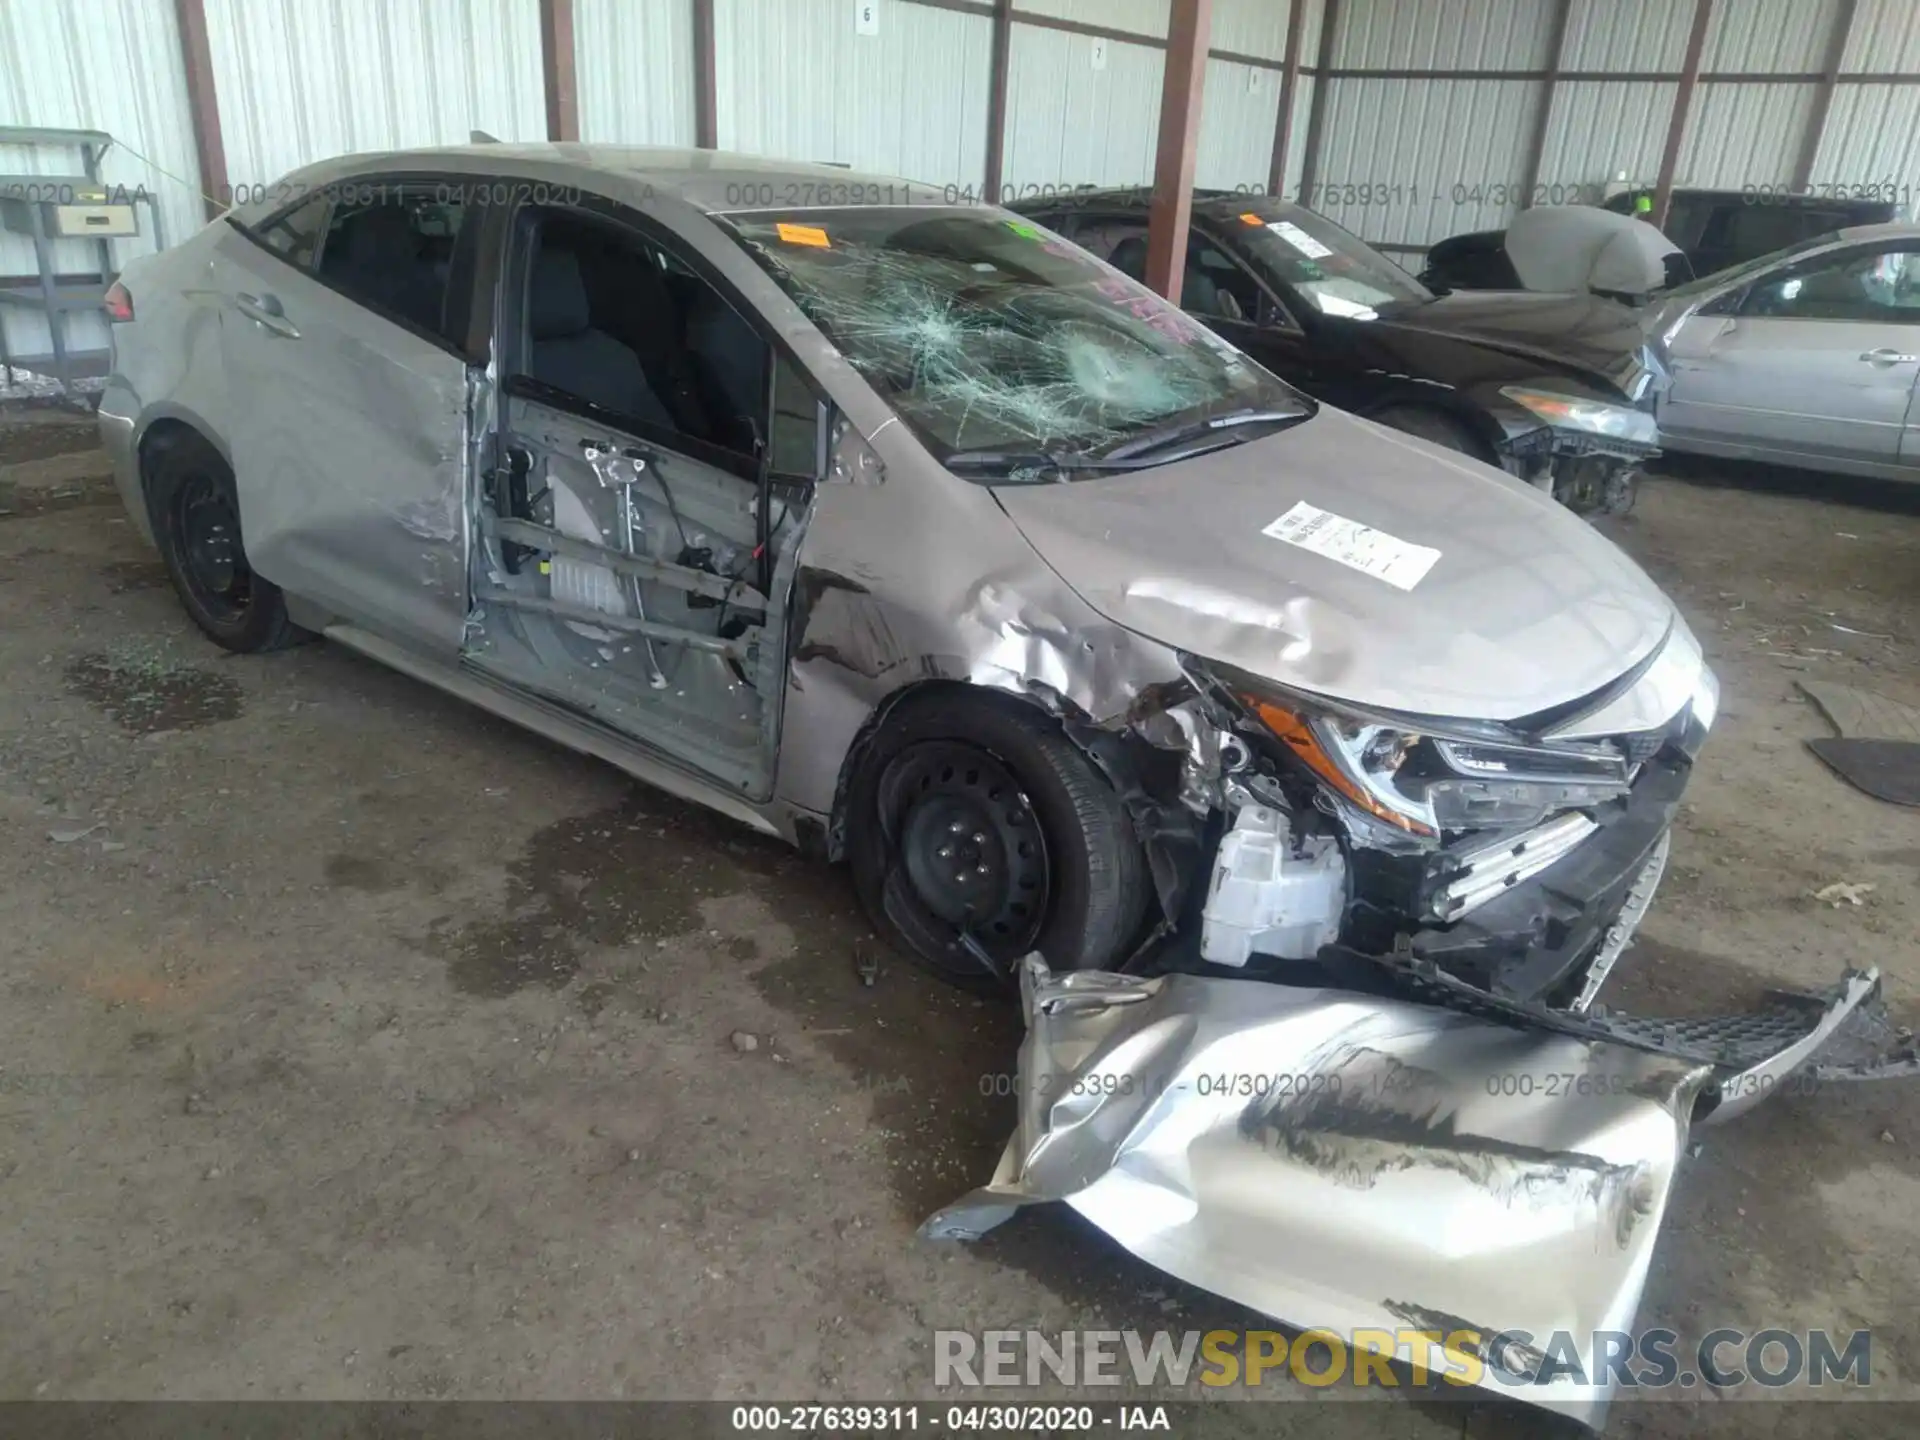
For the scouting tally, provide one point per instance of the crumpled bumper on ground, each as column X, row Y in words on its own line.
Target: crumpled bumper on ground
column 1349, row 1162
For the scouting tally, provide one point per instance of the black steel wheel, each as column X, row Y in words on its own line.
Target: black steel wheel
column 970, row 844
column 978, row 832
column 196, row 523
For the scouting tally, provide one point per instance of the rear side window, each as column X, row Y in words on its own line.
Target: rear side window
column 393, row 248
column 294, row 235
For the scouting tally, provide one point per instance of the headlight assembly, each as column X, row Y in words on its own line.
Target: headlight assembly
column 1595, row 417
column 1424, row 784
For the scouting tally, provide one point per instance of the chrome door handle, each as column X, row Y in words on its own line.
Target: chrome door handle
column 266, row 311
column 1884, row 356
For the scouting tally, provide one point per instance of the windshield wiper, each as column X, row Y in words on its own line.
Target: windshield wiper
column 1009, row 461
column 1171, row 435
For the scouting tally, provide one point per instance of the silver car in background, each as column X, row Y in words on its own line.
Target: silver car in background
column 1808, row 356
column 912, row 534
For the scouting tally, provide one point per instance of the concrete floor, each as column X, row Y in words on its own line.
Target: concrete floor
column 370, row 1048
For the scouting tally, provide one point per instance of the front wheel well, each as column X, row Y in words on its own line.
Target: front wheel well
column 1430, row 419
column 907, row 697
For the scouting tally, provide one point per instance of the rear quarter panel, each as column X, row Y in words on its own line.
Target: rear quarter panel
column 166, row 362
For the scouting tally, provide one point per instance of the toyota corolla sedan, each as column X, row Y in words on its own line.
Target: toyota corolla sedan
column 919, row 537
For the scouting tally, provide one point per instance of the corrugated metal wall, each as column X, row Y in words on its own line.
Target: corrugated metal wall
column 633, row 71
column 792, row 78
column 1402, row 160
column 300, row 80
column 111, row 65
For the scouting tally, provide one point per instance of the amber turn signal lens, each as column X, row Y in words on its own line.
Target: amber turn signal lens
column 1297, row 735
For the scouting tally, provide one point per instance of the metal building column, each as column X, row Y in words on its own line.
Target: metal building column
column 706, row 115
column 1317, row 111
column 1537, row 141
column 203, row 106
column 1289, row 86
column 1682, row 103
column 1179, row 144
column 556, row 69
column 1823, row 97
column 997, row 100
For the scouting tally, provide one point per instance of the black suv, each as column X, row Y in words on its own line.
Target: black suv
column 1713, row 228
column 1554, row 389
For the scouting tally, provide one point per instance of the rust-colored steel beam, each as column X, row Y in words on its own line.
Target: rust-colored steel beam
column 1002, row 64
column 1823, row 97
column 1550, row 82
column 1179, row 146
column 556, row 69
column 706, row 113
column 1682, row 103
column 203, row 106
column 1289, row 87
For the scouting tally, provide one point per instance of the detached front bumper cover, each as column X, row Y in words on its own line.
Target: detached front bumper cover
column 1343, row 1161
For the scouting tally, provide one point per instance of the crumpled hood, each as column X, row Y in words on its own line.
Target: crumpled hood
column 1524, row 608
column 1586, row 332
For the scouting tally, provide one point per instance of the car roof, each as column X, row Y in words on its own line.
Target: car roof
column 1887, row 230
column 711, row 180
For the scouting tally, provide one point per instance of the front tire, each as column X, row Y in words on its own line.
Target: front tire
column 196, row 523
column 978, row 814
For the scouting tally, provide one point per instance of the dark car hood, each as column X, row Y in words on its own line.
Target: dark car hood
column 1525, row 606
column 1601, row 337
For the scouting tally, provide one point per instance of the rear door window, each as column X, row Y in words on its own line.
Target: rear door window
column 393, row 247
column 294, row 235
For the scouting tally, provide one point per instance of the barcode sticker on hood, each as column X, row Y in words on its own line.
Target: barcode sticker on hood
column 1379, row 554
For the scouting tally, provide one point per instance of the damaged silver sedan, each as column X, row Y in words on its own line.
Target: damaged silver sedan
column 910, row 532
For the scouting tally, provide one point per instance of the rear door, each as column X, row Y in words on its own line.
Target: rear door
column 1818, row 359
column 343, row 329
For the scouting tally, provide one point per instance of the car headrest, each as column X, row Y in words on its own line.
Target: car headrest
column 1130, row 257
column 379, row 235
column 557, row 298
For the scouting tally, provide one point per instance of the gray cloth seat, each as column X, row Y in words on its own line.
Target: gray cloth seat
column 730, row 355
column 570, row 355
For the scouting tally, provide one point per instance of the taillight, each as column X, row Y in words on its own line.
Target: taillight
column 118, row 303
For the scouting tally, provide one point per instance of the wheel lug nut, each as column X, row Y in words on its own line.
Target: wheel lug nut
column 955, row 828
column 945, row 852
column 980, row 870
column 979, row 837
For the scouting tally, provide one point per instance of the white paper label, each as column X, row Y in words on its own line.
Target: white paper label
column 1360, row 546
column 866, row 17
column 1299, row 239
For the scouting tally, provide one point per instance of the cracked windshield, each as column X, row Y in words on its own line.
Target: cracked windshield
column 1011, row 352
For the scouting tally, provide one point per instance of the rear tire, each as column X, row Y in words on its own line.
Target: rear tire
column 1435, row 426
column 966, row 811
column 196, row 524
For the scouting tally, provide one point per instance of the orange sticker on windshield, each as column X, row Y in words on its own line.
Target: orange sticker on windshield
column 1249, row 218
column 803, row 235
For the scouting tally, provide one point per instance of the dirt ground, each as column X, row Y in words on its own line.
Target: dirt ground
column 353, row 1044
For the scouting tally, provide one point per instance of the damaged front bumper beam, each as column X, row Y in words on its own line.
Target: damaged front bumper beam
column 1350, row 1162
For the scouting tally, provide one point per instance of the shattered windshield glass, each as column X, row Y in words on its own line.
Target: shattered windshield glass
column 1335, row 272
column 994, row 338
